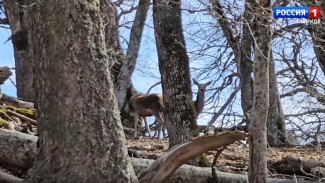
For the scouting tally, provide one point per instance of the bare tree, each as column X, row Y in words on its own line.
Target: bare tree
column 257, row 130
column 124, row 77
column 80, row 132
column 276, row 127
column 179, row 112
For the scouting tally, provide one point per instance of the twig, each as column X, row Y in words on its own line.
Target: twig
column 153, row 86
column 34, row 122
column 214, row 174
column 231, row 97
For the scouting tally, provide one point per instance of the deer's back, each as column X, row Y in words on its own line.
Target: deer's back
column 146, row 104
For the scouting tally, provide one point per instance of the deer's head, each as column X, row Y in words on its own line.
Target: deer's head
column 201, row 87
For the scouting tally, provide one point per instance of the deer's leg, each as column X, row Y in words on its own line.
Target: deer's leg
column 135, row 119
column 160, row 123
column 163, row 127
column 147, row 125
column 154, row 135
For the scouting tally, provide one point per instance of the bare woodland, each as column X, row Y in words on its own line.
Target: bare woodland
column 227, row 70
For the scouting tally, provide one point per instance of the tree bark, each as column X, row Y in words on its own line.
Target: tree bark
column 246, row 64
column 276, row 127
column 124, row 78
column 80, row 132
column 318, row 35
column 179, row 112
column 113, row 47
column 258, row 141
column 23, row 62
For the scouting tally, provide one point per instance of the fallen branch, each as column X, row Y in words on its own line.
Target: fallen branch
column 290, row 165
column 193, row 174
column 7, row 178
column 32, row 121
column 167, row 164
column 222, row 129
column 12, row 101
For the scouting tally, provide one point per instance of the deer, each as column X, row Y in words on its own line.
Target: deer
column 144, row 105
column 199, row 102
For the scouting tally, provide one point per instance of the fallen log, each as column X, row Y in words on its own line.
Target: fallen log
column 290, row 165
column 194, row 174
column 24, row 148
column 12, row 101
column 17, row 149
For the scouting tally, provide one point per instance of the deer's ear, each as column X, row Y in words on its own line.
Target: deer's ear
column 208, row 83
column 195, row 82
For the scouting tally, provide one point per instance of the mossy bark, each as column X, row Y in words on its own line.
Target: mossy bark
column 80, row 133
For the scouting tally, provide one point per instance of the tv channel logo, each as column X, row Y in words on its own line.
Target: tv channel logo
column 296, row 12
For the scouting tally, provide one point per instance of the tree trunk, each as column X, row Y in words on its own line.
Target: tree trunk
column 124, row 78
column 80, row 132
column 258, row 141
column 318, row 35
column 113, row 47
column 246, row 64
column 276, row 127
column 179, row 112
column 24, row 64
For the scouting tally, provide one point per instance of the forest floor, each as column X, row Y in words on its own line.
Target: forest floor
column 233, row 159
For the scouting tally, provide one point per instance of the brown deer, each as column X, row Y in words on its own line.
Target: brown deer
column 143, row 105
column 199, row 102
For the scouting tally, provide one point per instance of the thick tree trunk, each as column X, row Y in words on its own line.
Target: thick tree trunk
column 124, row 78
column 276, row 127
column 24, row 64
column 179, row 112
column 258, row 141
column 80, row 132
